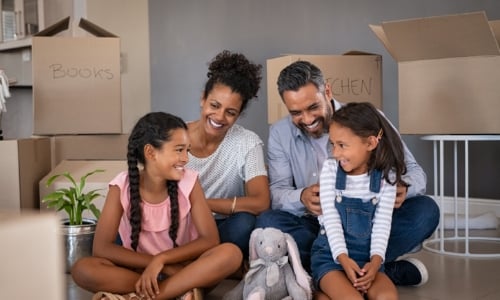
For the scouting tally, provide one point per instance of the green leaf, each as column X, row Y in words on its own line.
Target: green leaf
column 95, row 210
column 73, row 200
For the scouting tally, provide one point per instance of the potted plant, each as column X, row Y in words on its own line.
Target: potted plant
column 78, row 231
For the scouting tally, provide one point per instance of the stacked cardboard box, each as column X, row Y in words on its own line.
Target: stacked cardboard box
column 77, row 103
column 23, row 163
column 76, row 82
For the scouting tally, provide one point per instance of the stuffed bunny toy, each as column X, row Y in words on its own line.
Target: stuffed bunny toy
column 276, row 272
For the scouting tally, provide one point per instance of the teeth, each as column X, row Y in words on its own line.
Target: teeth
column 313, row 125
column 180, row 168
column 214, row 124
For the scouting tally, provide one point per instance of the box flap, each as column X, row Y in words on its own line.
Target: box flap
column 94, row 29
column 55, row 28
column 84, row 24
column 439, row 37
column 379, row 32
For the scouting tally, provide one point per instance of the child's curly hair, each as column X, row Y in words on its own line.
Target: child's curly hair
column 237, row 72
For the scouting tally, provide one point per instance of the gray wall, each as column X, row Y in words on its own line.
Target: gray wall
column 186, row 34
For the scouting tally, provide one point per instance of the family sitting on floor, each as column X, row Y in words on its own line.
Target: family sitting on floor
column 338, row 182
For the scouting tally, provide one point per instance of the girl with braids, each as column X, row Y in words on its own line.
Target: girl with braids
column 170, row 240
column 357, row 195
column 228, row 157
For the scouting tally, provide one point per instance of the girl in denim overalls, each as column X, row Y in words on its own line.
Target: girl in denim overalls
column 357, row 194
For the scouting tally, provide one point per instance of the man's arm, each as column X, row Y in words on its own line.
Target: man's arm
column 415, row 176
column 284, row 194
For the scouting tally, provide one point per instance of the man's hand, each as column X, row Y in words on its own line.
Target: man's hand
column 401, row 191
column 310, row 199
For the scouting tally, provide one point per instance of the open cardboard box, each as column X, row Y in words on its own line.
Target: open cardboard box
column 76, row 81
column 449, row 73
column 354, row 76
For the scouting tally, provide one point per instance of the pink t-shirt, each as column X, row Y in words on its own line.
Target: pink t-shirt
column 154, row 237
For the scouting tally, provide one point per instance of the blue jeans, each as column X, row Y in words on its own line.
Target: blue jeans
column 412, row 223
column 236, row 229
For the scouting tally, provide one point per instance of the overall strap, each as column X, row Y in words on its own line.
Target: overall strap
column 375, row 180
column 340, row 181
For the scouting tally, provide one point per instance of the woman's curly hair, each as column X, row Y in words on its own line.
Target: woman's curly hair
column 237, row 72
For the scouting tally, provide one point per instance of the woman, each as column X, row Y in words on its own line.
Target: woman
column 228, row 157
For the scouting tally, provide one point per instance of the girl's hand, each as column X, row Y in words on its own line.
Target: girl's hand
column 147, row 285
column 370, row 269
column 351, row 268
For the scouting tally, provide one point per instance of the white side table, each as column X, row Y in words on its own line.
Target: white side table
column 439, row 237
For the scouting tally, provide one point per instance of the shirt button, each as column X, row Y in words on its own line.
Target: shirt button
column 314, row 174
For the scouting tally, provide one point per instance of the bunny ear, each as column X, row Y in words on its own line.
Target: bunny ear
column 301, row 275
column 253, row 250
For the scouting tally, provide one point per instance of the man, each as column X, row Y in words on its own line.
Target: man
column 298, row 145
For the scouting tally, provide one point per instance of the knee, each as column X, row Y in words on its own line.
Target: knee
column 428, row 210
column 425, row 208
column 81, row 271
column 231, row 253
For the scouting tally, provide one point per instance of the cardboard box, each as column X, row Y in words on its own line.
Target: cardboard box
column 354, row 76
column 22, row 163
column 88, row 147
column 449, row 70
column 76, row 82
column 31, row 241
column 79, row 168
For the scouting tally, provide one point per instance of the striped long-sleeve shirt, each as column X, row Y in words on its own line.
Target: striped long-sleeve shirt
column 357, row 186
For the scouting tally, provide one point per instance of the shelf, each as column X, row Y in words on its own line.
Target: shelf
column 15, row 44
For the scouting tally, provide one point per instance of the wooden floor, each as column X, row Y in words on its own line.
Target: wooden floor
column 450, row 277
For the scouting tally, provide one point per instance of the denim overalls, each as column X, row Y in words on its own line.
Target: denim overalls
column 357, row 220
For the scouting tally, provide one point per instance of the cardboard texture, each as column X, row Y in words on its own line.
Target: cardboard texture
column 354, row 76
column 449, row 70
column 76, row 82
column 77, row 169
column 31, row 241
column 23, row 163
column 88, row 147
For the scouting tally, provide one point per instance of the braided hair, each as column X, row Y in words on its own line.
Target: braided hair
column 237, row 72
column 154, row 128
